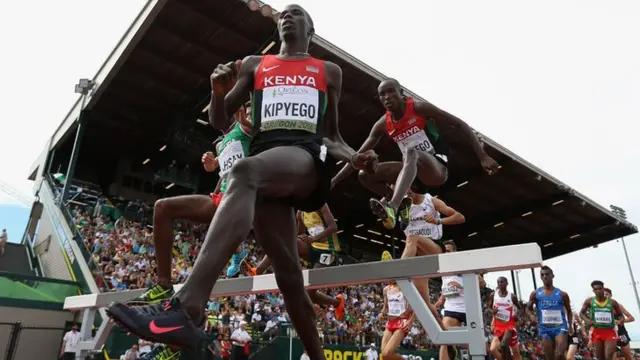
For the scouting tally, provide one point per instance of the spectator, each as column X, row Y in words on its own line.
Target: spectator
column 132, row 354
column 240, row 340
column 69, row 343
column 3, row 241
column 304, row 355
column 371, row 353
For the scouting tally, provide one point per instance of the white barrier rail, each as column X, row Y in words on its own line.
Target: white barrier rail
column 467, row 263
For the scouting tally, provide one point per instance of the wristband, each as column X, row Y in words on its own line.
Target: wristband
column 439, row 221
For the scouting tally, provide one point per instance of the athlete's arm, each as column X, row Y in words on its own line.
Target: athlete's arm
column 221, row 117
column 374, row 138
column 532, row 301
column 583, row 312
column 333, row 140
column 301, row 227
column 331, row 226
column 440, row 301
column 453, row 217
column 618, row 309
column 567, row 309
column 490, row 301
column 628, row 317
column 245, row 122
column 445, row 120
column 385, row 305
column 516, row 303
column 218, row 185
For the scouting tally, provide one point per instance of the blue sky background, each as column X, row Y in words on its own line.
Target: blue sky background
column 14, row 218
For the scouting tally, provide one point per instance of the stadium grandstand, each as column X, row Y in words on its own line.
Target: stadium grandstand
column 136, row 134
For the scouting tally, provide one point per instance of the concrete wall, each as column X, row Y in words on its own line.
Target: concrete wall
column 41, row 333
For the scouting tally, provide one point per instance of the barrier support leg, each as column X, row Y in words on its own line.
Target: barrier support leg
column 88, row 317
column 473, row 334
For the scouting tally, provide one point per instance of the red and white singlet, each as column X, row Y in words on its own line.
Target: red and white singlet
column 398, row 309
column 409, row 132
column 504, row 318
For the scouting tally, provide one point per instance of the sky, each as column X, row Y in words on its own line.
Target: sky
column 557, row 82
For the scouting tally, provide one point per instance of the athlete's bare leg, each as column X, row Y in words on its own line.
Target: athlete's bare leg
column 548, row 348
column 279, row 244
column 626, row 352
column 495, row 348
column 388, row 348
column 505, row 349
column 282, row 172
column 420, row 245
column 609, row 349
column 386, row 173
column 561, row 342
column 448, row 322
column 571, row 352
column 316, row 296
column 196, row 208
column 417, row 164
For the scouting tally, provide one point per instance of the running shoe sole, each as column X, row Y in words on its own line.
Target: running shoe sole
column 378, row 209
column 117, row 315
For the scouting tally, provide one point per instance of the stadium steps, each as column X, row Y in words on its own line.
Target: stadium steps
column 16, row 260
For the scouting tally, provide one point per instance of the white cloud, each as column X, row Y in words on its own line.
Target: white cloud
column 556, row 82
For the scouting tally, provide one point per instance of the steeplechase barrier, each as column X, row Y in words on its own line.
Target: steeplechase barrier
column 466, row 263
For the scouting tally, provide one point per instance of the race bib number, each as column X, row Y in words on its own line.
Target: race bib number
column 418, row 140
column 450, row 291
column 602, row 317
column 551, row 317
column 623, row 338
column 503, row 315
column 314, row 231
column 326, row 259
column 290, row 103
column 423, row 231
column 230, row 154
column 396, row 308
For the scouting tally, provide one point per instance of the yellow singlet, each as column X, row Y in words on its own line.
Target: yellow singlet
column 315, row 224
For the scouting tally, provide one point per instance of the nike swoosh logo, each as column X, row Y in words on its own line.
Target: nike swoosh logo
column 160, row 329
column 157, row 296
column 269, row 68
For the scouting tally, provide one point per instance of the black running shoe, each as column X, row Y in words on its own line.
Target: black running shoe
column 383, row 212
column 165, row 323
column 155, row 294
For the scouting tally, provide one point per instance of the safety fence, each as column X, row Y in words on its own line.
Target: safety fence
column 18, row 342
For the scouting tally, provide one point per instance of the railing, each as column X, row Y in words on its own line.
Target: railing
column 79, row 239
column 35, row 288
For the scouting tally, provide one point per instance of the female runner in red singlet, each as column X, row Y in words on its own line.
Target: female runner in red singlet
column 400, row 317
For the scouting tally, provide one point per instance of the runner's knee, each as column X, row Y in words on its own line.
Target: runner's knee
column 161, row 207
column 411, row 155
column 244, row 173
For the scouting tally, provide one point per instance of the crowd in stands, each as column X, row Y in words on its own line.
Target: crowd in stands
column 123, row 253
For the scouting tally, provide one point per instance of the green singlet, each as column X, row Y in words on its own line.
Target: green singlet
column 602, row 314
column 234, row 146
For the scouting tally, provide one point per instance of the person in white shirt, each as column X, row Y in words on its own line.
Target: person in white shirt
column 133, row 353
column 371, row 353
column 304, row 355
column 69, row 343
column 240, row 338
column 144, row 346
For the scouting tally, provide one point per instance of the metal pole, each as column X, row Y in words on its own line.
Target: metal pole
column 633, row 280
column 513, row 281
column 519, row 293
column 74, row 155
column 533, row 276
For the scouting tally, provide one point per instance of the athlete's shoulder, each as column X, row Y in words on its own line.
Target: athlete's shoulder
column 251, row 62
column 333, row 73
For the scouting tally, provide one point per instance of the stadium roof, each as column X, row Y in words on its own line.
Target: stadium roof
column 156, row 80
